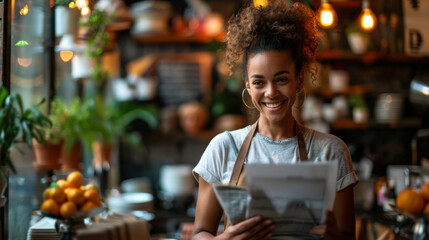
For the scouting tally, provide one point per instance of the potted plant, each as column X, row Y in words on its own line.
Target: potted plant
column 109, row 119
column 65, row 18
column 17, row 124
column 47, row 153
column 357, row 38
column 360, row 109
column 72, row 128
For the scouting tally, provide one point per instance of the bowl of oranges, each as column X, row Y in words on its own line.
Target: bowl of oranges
column 70, row 199
column 414, row 202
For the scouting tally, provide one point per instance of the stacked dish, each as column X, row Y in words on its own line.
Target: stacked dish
column 388, row 107
column 129, row 202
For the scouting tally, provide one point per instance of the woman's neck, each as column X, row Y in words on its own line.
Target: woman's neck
column 277, row 130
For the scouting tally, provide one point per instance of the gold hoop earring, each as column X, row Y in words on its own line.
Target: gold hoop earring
column 244, row 101
column 300, row 99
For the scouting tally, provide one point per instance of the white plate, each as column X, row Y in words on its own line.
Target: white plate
column 134, row 198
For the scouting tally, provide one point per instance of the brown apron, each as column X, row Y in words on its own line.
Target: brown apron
column 238, row 175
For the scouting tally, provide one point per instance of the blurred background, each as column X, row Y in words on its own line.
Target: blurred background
column 137, row 89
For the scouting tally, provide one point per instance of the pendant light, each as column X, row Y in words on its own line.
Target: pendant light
column 367, row 19
column 260, row 3
column 326, row 15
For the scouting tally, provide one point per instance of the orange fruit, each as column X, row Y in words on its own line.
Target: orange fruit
column 50, row 206
column 90, row 186
column 424, row 191
column 67, row 190
column 426, row 210
column 92, row 195
column 58, row 195
column 75, row 179
column 67, row 209
column 75, row 195
column 62, row 184
column 410, row 201
column 88, row 205
column 47, row 194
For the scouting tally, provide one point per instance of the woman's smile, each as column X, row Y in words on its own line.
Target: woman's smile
column 273, row 106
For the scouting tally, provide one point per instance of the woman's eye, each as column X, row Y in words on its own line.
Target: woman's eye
column 258, row 83
column 282, row 80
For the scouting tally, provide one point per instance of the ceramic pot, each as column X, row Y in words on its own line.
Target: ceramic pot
column 360, row 115
column 66, row 20
column 358, row 42
column 47, row 157
column 102, row 154
column 70, row 160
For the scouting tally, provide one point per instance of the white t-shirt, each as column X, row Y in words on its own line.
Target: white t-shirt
column 217, row 161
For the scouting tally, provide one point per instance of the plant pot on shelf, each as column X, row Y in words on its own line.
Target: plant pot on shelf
column 358, row 42
column 102, row 153
column 47, row 157
column 66, row 21
column 71, row 160
column 360, row 115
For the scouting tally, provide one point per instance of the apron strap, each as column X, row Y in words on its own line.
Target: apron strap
column 239, row 162
column 302, row 150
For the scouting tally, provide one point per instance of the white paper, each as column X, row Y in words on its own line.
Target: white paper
column 295, row 196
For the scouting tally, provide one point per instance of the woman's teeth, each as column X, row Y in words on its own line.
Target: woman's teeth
column 273, row 105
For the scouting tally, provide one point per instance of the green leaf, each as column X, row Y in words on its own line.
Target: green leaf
column 54, row 185
column 21, row 43
column 20, row 105
column 3, row 95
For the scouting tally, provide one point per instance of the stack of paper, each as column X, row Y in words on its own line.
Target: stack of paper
column 43, row 230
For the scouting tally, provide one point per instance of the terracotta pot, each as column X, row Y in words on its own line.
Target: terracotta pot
column 70, row 160
column 47, row 157
column 102, row 154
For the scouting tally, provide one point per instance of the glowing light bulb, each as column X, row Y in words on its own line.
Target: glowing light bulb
column 24, row 10
column 327, row 16
column 85, row 11
column 72, row 5
column 260, row 3
column 81, row 3
column 25, row 62
column 66, row 55
column 367, row 20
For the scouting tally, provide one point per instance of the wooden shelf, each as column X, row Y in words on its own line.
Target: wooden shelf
column 328, row 93
column 169, row 38
column 345, row 5
column 349, row 124
column 368, row 58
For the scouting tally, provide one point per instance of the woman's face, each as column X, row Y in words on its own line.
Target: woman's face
column 272, row 84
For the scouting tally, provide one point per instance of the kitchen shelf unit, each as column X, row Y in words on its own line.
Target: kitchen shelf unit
column 170, row 38
column 329, row 56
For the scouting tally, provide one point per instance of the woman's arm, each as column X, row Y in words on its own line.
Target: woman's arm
column 340, row 223
column 209, row 212
column 344, row 212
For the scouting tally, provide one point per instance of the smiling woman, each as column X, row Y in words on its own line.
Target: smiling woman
column 277, row 44
column 272, row 85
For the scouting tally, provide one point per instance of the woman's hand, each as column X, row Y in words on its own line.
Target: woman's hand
column 252, row 228
column 329, row 229
column 339, row 223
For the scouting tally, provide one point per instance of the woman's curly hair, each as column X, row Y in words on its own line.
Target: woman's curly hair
column 276, row 26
